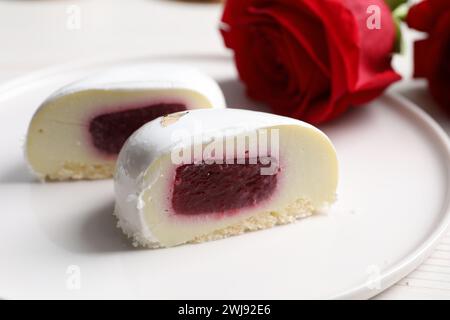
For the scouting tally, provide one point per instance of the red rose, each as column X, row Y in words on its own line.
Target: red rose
column 310, row 59
column 432, row 55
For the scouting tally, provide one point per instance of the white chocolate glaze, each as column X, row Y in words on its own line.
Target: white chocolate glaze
column 144, row 171
column 59, row 145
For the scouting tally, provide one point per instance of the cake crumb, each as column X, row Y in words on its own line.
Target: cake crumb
column 71, row 170
column 298, row 210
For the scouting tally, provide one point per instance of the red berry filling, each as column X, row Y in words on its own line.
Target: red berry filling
column 109, row 131
column 218, row 188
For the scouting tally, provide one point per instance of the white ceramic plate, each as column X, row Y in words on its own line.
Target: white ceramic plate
column 58, row 240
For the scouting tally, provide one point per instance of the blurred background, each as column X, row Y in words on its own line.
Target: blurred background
column 41, row 33
column 35, row 34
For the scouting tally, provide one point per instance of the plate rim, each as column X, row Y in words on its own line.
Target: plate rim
column 388, row 277
column 412, row 260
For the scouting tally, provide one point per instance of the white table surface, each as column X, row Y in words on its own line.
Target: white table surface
column 44, row 33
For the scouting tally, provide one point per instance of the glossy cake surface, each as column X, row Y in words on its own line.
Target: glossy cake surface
column 178, row 180
column 78, row 132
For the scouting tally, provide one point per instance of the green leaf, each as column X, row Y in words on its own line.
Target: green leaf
column 393, row 4
column 401, row 12
column 398, row 45
column 399, row 15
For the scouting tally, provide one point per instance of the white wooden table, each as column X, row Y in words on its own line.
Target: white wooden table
column 39, row 34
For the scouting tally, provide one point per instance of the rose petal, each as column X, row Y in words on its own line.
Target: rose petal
column 421, row 58
column 438, row 56
column 297, row 21
column 424, row 15
column 280, row 54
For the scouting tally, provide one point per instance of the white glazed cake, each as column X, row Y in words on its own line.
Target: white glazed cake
column 78, row 131
column 175, row 184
